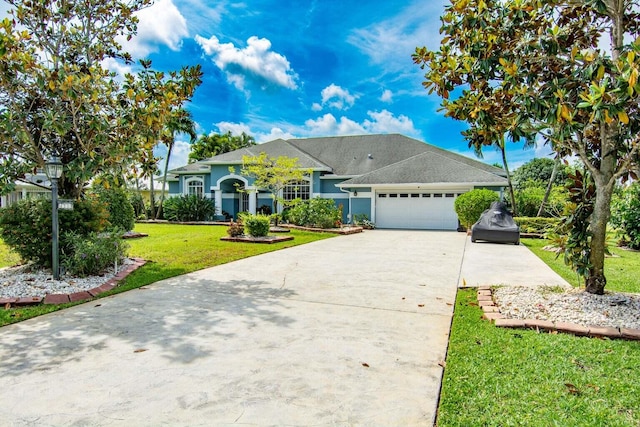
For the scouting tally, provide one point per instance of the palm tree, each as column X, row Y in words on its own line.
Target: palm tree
column 180, row 121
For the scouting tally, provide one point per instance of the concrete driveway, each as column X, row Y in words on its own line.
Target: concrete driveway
column 346, row 331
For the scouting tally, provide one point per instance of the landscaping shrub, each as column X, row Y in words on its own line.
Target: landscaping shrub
column 93, row 253
column 137, row 201
column 469, row 206
column 362, row 220
column 264, row 210
column 322, row 213
column 121, row 212
column 25, row 226
column 528, row 200
column 536, row 225
column 235, row 229
column 625, row 215
column 188, row 208
column 256, row 225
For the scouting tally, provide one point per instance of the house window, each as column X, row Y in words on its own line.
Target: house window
column 297, row 190
column 195, row 186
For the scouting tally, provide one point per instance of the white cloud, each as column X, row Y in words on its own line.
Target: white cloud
column 234, row 128
column 120, row 68
column 179, row 154
column 238, row 128
column 397, row 37
column 385, row 122
column 256, row 60
column 274, row 133
column 160, row 25
column 387, row 96
column 316, row 107
column 336, row 97
column 328, row 125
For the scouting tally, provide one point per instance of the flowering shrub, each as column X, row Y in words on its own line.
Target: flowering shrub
column 93, row 253
column 235, row 229
column 317, row 212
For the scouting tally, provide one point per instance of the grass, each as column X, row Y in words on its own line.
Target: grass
column 622, row 269
column 8, row 258
column 508, row 377
column 173, row 250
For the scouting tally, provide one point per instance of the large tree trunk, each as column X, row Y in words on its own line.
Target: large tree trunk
column 604, row 182
column 514, row 209
column 596, row 281
column 549, row 186
column 604, row 179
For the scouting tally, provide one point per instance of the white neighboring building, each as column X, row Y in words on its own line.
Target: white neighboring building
column 33, row 186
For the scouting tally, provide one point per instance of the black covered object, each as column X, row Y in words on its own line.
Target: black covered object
column 496, row 225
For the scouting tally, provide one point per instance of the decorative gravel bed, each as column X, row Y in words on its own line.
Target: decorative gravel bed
column 556, row 304
column 24, row 281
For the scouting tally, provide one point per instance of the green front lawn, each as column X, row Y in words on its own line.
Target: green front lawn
column 622, row 269
column 173, row 250
column 513, row 377
column 8, row 258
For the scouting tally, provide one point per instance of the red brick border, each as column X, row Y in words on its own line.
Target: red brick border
column 76, row 296
column 491, row 312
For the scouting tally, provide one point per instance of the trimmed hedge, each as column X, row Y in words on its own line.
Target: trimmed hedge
column 469, row 206
column 256, row 225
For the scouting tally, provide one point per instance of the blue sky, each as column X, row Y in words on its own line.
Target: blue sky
column 292, row 69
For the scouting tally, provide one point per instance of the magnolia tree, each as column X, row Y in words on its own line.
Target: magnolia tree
column 273, row 174
column 57, row 97
column 565, row 70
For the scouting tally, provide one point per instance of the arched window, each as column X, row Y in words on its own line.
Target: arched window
column 297, row 190
column 195, row 186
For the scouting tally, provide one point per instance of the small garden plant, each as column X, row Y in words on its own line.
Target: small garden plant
column 94, row 253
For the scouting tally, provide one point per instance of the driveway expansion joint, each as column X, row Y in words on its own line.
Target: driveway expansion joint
column 491, row 312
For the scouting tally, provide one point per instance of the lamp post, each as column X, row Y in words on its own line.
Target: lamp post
column 53, row 169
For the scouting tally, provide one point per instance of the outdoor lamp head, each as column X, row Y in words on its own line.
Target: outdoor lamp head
column 53, row 168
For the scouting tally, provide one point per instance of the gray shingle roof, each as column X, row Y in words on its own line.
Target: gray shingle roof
column 275, row 148
column 388, row 158
column 358, row 155
column 428, row 168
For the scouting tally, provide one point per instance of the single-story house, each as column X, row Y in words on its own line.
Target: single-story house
column 396, row 181
column 32, row 186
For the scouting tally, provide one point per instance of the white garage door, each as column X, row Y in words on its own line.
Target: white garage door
column 417, row 210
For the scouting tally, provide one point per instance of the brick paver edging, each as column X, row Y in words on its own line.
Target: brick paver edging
column 491, row 312
column 76, row 296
